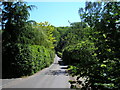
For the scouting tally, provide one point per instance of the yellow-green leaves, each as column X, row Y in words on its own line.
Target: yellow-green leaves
column 109, row 50
column 103, row 65
column 46, row 36
column 104, row 35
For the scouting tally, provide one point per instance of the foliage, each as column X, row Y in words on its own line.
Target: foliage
column 37, row 35
column 30, row 52
column 47, row 31
column 25, row 59
column 79, row 53
column 107, row 41
column 96, row 54
column 72, row 36
column 14, row 14
column 58, row 34
column 27, row 45
column 92, row 47
column 29, row 49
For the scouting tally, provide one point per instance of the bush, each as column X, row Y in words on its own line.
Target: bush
column 23, row 60
column 85, row 63
column 81, row 52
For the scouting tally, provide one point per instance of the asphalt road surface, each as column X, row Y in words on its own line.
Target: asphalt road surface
column 54, row 76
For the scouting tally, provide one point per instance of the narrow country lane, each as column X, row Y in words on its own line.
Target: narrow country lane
column 54, row 76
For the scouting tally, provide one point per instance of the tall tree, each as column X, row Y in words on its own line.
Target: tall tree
column 14, row 17
column 15, row 13
column 104, row 18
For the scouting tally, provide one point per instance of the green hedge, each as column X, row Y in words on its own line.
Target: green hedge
column 22, row 60
column 81, row 52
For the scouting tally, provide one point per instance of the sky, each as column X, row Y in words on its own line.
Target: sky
column 56, row 13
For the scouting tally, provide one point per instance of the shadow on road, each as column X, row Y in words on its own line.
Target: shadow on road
column 61, row 63
column 56, row 72
column 61, row 71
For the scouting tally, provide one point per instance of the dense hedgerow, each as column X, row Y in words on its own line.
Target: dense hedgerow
column 23, row 60
column 26, row 51
column 80, row 52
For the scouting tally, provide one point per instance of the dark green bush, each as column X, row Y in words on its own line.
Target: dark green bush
column 78, row 52
column 23, row 60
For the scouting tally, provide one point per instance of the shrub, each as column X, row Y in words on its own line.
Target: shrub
column 81, row 52
column 23, row 60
